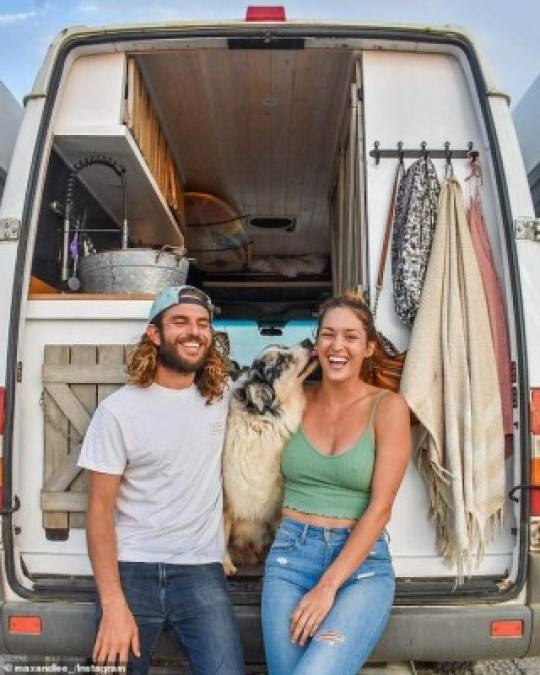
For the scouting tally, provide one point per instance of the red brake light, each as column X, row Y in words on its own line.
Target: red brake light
column 535, row 411
column 2, row 411
column 507, row 628
column 535, row 503
column 25, row 624
column 265, row 14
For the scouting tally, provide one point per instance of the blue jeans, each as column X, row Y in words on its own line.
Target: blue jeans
column 298, row 558
column 193, row 602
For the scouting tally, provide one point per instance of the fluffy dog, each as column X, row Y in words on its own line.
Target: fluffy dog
column 266, row 408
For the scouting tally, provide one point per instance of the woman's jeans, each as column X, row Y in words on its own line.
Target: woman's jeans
column 298, row 558
column 191, row 601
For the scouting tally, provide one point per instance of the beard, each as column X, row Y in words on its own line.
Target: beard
column 169, row 358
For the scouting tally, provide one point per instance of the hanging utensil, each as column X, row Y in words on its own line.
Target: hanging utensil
column 74, row 282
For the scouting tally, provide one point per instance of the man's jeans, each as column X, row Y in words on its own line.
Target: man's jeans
column 190, row 600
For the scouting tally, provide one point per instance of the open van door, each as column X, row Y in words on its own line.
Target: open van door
column 349, row 232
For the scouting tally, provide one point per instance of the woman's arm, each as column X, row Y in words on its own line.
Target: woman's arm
column 393, row 443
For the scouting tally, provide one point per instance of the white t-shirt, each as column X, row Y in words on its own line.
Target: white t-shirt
column 167, row 445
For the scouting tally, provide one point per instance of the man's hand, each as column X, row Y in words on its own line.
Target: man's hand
column 310, row 613
column 117, row 634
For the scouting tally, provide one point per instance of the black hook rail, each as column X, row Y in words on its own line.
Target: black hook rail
column 423, row 151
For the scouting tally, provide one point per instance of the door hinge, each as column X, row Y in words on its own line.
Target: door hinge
column 527, row 228
column 9, row 229
column 19, row 371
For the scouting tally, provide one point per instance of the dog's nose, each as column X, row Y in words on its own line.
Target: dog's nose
column 307, row 344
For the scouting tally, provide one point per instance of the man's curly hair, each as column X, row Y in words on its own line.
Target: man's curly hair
column 210, row 379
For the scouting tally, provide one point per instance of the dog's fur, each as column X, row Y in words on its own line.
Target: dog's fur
column 266, row 408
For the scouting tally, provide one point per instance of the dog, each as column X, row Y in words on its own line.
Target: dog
column 266, row 407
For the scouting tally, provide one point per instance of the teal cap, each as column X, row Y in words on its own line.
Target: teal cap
column 178, row 295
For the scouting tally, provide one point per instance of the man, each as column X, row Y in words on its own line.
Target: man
column 155, row 511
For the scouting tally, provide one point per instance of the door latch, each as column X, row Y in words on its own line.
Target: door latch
column 11, row 509
column 517, row 488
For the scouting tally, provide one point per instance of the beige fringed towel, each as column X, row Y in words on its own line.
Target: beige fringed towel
column 450, row 383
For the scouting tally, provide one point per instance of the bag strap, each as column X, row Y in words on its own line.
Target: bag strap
column 388, row 231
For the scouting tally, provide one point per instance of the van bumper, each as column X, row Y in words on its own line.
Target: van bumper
column 533, row 588
column 413, row 633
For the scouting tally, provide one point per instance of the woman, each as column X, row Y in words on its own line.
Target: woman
column 329, row 582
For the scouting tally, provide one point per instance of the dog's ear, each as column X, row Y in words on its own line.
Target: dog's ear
column 259, row 396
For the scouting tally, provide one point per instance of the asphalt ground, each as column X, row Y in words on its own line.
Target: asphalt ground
column 9, row 665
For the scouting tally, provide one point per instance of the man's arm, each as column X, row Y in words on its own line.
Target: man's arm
column 117, row 630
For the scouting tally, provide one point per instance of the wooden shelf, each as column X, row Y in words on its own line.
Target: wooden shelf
column 91, row 296
column 149, row 217
column 276, row 283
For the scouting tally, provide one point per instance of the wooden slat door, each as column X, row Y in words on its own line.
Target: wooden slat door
column 76, row 378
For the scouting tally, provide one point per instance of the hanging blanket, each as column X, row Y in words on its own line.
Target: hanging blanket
column 414, row 224
column 495, row 306
column 450, row 383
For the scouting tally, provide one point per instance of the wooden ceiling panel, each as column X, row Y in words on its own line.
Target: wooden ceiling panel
column 257, row 128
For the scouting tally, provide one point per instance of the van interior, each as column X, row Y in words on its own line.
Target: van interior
column 285, row 140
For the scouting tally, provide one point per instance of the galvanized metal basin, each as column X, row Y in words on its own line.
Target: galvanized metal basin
column 132, row 270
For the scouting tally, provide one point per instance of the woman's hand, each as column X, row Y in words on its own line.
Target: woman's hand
column 310, row 613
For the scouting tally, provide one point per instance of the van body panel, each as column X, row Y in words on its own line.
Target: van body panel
column 133, row 35
column 12, row 206
column 11, row 114
column 454, row 633
column 533, row 600
column 527, row 251
column 391, row 53
column 402, row 97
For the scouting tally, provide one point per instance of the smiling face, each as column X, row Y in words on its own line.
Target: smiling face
column 342, row 344
column 183, row 336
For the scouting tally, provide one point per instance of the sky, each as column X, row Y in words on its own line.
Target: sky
column 507, row 30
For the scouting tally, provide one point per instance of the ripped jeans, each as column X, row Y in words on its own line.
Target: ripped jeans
column 298, row 558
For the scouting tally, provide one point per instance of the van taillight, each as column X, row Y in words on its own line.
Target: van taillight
column 265, row 14
column 535, row 461
column 506, row 628
column 28, row 625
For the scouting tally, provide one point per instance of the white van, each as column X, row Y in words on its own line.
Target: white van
column 297, row 125
column 527, row 123
column 10, row 116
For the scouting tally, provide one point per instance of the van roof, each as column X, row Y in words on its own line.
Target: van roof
column 77, row 34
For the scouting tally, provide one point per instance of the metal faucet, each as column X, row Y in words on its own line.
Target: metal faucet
column 83, row 163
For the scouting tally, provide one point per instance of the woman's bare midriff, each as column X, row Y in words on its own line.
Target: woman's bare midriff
column 318, row 521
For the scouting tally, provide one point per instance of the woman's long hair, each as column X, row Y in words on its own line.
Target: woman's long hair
column 354, row 301
column 210, row 380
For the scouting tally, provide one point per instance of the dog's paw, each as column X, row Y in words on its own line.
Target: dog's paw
column 228, row 566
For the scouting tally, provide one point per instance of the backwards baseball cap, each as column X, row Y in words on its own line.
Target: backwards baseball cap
column 178, row 295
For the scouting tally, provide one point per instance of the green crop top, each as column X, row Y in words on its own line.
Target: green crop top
column 337, row 486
